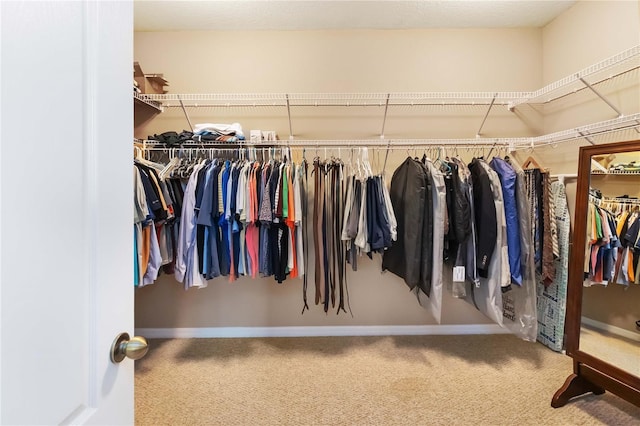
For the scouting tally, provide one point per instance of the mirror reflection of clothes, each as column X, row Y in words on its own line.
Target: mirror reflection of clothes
column 612, row 247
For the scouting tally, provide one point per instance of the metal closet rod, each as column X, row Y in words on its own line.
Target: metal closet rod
column 628, row 122
column 614, row 200
column 391, row 143
column 323, row 104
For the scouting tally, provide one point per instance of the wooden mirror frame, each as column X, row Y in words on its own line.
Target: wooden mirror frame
column 590, row 374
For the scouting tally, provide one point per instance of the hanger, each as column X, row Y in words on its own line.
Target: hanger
column 530, row 161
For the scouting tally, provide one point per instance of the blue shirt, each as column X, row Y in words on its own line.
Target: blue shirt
column 508, row 182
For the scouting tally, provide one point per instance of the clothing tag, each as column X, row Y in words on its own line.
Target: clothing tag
column 458, row 274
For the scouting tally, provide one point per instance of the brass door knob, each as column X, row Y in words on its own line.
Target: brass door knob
column 125, row 347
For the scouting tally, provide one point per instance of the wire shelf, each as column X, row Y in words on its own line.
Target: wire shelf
column 615, row 172
column 145, row 99
column 621, row 63
column 334, row 99
column 628, row 122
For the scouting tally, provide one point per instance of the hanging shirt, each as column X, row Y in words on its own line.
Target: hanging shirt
column 508, row 181
column 186, row 269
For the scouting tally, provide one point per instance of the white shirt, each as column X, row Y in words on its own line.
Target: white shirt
column 186, row 253
column 393, row 224
column 363, row 232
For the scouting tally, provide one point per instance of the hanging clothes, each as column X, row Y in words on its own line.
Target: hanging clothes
column 467, row 250
column 507, row 177
column 411, row 258
column 534, row 195
column 552, row 299
column 458, row 226
column 352, row 214
column 216, row 217
column 153, row 221
column 485, row 216
column 518, row 300
column 433, row 301
column 186, row 269
column 488, row 297
column 548, row 265
column 613, row 243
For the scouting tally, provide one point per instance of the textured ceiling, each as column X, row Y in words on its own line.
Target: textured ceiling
column 329, row 14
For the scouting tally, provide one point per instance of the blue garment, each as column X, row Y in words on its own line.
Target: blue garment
column 202, row 176
column 153, row 202
column 234, row 224
column 508, row 182
column 206, row 202
column 207, row 219
column 376, row 235
column 265, row 251
column 383, row 215
column 225, row 258
column 204, row 218
column 212, row 230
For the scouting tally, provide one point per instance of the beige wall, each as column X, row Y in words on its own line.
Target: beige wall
column 587, row 33
column 343, row 61
column 348, row 61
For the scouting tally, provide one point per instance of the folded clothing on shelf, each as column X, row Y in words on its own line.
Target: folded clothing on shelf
column 233, row 129
column 172, row 138
column 632, row 166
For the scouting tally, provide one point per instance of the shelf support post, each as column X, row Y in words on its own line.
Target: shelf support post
column 586, row 136
column 486, row 115
column 289, row 117
column 605, row 100
column 384, row 119
column 185, row 114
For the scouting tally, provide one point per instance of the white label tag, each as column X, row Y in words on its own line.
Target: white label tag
column 458, row 274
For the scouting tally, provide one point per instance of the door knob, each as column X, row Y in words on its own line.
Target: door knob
column 125, row 347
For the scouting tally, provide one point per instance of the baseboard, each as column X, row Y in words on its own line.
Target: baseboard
column 365, row 330
column 631, row 335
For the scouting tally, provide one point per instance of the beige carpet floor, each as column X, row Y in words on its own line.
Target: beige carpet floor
column 412, row 380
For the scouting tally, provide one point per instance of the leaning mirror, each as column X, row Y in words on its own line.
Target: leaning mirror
column 603, row 300
column 610, row 318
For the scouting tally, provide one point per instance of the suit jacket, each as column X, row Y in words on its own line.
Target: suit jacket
column 411, row 257
column 485, row 215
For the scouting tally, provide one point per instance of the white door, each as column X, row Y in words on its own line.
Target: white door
column 65, row 211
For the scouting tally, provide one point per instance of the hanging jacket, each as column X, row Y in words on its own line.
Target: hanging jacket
column 485, row 216
column 458, row 210
column 409, row 198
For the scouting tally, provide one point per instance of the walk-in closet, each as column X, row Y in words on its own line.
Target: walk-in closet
column 313, row 212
